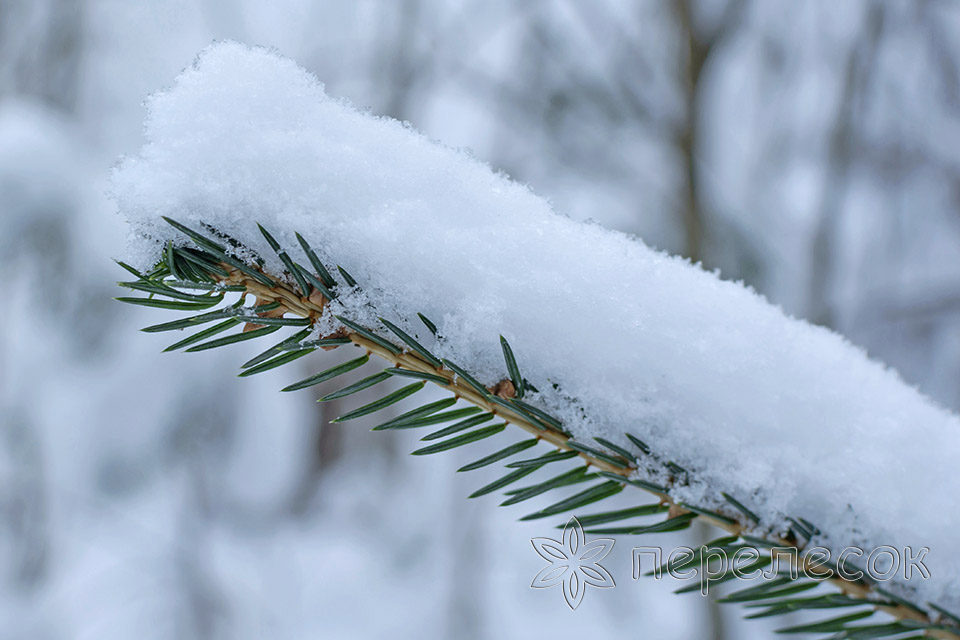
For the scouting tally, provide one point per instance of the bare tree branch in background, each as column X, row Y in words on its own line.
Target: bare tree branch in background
column 858, row 71
column 697, row 48
column 327, row 441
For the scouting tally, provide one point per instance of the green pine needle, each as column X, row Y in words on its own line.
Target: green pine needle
column 506, row 480
column 463, row 425
column 369, row 335
column 466, row 377
column 419, row 375
column 328, row 374
column 459, row 441
column 203, row 335
column 273, row 363
column 325, row 276
column 418, row 413
column 287, row 344
column 582, row 499
column 430, row 420
column 176, row 305
column 366, row 383
column 512, row 367
column 412, row 343
column 428, row 324
column 502, row 454
column 573, row 476
column 536, row 463
column 347, row 277
column 828, row 626
column 382, row 403
column 234, row 338
column 621, row 514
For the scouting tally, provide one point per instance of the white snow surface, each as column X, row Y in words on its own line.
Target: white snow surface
column 789, row 418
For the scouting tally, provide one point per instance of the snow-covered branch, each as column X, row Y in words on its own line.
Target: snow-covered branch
column 614, row 337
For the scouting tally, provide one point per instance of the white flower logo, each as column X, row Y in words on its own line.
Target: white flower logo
column 574, row 563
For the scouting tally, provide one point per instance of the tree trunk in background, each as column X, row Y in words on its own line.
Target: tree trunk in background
column 696, row 48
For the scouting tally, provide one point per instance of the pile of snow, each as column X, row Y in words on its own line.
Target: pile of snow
column 789, row 418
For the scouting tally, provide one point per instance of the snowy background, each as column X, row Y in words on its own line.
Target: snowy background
column 811, row 149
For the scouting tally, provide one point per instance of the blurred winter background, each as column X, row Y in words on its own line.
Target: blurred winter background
column 810, row 148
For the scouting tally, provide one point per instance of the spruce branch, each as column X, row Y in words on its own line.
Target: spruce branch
column 299, row 297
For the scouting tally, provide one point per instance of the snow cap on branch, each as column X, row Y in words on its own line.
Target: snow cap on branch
column 788, row 418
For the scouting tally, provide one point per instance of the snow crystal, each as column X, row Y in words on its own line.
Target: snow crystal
column 787, row 417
